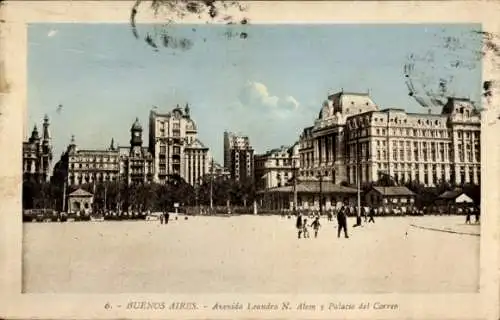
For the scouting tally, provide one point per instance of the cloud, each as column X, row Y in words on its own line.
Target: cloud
column 52, row 33
column 256, row 95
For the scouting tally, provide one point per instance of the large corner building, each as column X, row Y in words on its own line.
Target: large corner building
column 353, row 137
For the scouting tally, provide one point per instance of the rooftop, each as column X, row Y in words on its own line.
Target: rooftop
column 394, row 191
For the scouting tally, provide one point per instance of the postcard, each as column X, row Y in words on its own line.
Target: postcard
column 228, row 159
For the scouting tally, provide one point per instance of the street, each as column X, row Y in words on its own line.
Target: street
column 250, row 254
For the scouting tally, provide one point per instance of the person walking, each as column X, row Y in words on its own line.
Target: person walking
column 298, row 224
column 316, row 225
column 476, row 215
column 371, row 215
column 342, row 221
column 305, row 231
column 467, row 217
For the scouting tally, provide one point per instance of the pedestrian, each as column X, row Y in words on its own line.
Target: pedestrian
column 316, row 225
column 372, row 215
column 365, row 213
column 358, row 217
column 467, row 217
column 298, row 224
column 167, row 217
column 342, row 221
column 162, row 218
column 305, row 231
column 476, row 214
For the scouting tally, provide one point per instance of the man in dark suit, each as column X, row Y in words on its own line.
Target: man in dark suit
column 342, row 221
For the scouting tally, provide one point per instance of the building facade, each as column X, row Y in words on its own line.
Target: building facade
column 275, row 168
column 84, row 166
column 353, row 138
column 238, row 156
column 129, row 165
column 37, row 155
column 175, row 148
column 136, row 162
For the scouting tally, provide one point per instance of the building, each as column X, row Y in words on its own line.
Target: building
column 238, row 156
column 397, row 197
column 309, row 196
column 217, row 170
column 131, row 165
column 352, row 137
column 136, row 162
column 80, row 201
column 175, row 147
column 37, row 155
column 275, row 168
column 83, row 166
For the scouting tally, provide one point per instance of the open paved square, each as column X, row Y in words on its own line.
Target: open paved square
column 251, row 254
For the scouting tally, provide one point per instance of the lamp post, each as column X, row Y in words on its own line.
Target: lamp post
column 320, row 177
column 294, row 186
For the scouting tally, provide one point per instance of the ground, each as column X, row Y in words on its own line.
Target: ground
column 251, row 254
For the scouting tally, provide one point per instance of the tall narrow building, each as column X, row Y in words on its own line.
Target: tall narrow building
column 37, row 155
column 175, row 147
column 136, row 161
column 238, row 156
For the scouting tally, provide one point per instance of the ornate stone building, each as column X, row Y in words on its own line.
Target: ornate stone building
column 132, row 164
column 276, row 167
column 136, row 162
column 83, row 166
column 175, row 148
column 238, row 156
column 37, row 155
column 354, row 137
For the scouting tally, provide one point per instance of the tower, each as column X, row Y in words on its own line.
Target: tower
column 136, row 138
column 112, row 144
column 46, row 156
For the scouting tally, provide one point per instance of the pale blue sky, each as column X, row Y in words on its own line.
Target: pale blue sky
column 269, row 86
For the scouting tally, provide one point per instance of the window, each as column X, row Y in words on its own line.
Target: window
column 378, row 154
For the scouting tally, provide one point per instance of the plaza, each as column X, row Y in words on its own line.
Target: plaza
column 251, row 254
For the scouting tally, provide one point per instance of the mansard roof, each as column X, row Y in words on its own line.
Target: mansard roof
column 196, row 144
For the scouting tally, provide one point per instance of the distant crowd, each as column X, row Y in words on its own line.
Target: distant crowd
column 341, row 213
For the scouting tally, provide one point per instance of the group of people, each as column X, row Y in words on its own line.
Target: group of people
column 469, row 212
column 342, row 213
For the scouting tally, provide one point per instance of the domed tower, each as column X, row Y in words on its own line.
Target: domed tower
column 136, row 137
column 35, row 137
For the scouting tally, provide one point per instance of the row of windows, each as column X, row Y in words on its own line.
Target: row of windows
column 429, row 177
column 94, row 166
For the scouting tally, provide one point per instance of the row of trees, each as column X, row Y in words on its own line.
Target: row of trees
column 147, row 196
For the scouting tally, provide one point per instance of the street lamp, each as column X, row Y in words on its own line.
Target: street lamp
column 320, row 177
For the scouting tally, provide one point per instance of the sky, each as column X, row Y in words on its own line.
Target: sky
column 268, row 86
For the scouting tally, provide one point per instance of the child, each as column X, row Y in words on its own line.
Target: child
column 305, row 232
column 316, row 225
